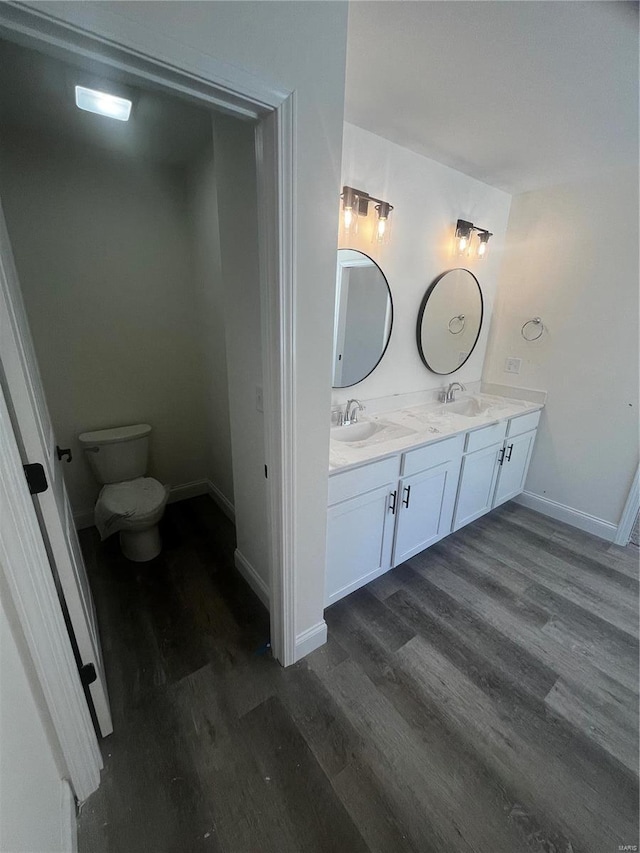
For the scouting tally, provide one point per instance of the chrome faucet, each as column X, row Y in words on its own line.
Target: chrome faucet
column 351, row 409
column 448, row 395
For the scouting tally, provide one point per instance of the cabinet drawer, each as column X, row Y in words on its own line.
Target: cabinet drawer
column 523, row 423
column 486, row 436
column 364, row 479
column 432, row 455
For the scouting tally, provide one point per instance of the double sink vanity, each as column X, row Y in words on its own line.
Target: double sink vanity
column 402, row 480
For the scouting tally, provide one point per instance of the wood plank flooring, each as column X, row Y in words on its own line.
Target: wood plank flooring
column 481, row 697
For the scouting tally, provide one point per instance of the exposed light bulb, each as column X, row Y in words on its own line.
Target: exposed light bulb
column 348, row 217
column 462, row 244
column 482, row 248
column 382, row 225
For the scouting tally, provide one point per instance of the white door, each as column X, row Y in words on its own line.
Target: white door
column 513, row 471
column 477, row 484
column 425, row 512
column 359, row 541
column 32, row 424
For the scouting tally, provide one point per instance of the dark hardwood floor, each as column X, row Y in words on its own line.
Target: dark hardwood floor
column 481, row 697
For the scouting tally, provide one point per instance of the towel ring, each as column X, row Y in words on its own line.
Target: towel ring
column 535, row 321
column 460, row 318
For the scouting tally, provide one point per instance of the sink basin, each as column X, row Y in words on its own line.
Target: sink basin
column 356, row 432
column 469, row 407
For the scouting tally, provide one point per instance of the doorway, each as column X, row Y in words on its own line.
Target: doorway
column 273, row 133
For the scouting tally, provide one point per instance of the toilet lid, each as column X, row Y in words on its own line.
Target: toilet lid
column 133, row 497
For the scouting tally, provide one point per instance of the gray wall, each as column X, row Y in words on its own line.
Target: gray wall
column 103, row 252
column 571, row 258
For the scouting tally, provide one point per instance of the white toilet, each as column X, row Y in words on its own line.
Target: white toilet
column 129, row 502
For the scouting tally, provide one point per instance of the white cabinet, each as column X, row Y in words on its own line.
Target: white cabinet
column 359, row 541
column 426, row 502
column 514, row 467
column 496, row 472
column 477, row 484
column 385, row 511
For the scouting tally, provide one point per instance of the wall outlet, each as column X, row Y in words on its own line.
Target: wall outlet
column 512, row 365
column 259, row 399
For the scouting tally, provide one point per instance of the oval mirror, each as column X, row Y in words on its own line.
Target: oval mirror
column 363, row 319
column 449, row 321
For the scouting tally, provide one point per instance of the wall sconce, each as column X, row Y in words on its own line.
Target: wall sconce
column 355, row 203
column 463, row 239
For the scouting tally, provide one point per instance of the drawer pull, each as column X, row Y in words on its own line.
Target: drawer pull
column 405, row 501
column 392, row 506
column 509, row 452
column 501, row 459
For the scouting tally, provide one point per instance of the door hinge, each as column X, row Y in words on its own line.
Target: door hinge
column 36, row 478
column 88, row 674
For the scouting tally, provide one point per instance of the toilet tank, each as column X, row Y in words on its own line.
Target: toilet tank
column 117, row 454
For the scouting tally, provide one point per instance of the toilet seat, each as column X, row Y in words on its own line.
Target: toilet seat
column 132, row 503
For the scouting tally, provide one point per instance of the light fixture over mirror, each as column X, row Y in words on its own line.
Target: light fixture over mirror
column 355, row 203
column 464, row 244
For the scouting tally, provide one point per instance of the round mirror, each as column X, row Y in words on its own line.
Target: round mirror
column 449, row 321
column 363, row 319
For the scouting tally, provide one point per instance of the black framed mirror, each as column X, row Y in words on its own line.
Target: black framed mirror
column 363, row 317
column 449, row 321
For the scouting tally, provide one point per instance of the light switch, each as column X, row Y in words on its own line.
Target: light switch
column 512, row 365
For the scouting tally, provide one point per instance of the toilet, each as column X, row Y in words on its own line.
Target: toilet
column 129, row 502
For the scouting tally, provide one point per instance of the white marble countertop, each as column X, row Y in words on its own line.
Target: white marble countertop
column 407, row 428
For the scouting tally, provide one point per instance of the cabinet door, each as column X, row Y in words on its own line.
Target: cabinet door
column 477, row 484
column 425, row 509
column 359, row 541
column 513, row 471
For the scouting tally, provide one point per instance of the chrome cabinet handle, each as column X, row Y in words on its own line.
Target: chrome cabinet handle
column 393, row 496
column 501, row 459
column 509, row 452
column 405, row 501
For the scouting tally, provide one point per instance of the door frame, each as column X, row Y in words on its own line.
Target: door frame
column 629, row 513
column 273, row 110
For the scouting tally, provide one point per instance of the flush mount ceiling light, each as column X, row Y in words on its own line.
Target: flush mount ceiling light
column 103, row 103
column 355, row 203
column 464, row 238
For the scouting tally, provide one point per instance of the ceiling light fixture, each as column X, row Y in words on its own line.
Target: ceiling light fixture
column 464, row 236
column 355, row 203
column 102, row 103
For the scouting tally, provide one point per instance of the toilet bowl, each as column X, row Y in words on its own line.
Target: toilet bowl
column 129, row 503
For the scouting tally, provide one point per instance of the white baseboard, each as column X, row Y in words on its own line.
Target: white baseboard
column 252, row 577
column 310, row 640
column 68, row 821
column 188, row 490
column 223, row 502
column 574, row 517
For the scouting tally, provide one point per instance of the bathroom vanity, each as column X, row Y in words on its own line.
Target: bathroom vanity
column 403, row 480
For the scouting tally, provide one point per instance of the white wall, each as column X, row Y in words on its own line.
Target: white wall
column 572, row 259
column 428, row 199
column 299, row 47
column 103, row 254
column 235, row 174
column 207, row 271
column 31, row 790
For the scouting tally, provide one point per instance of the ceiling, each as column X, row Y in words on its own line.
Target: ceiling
column 37, row 98
column 520, row 95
